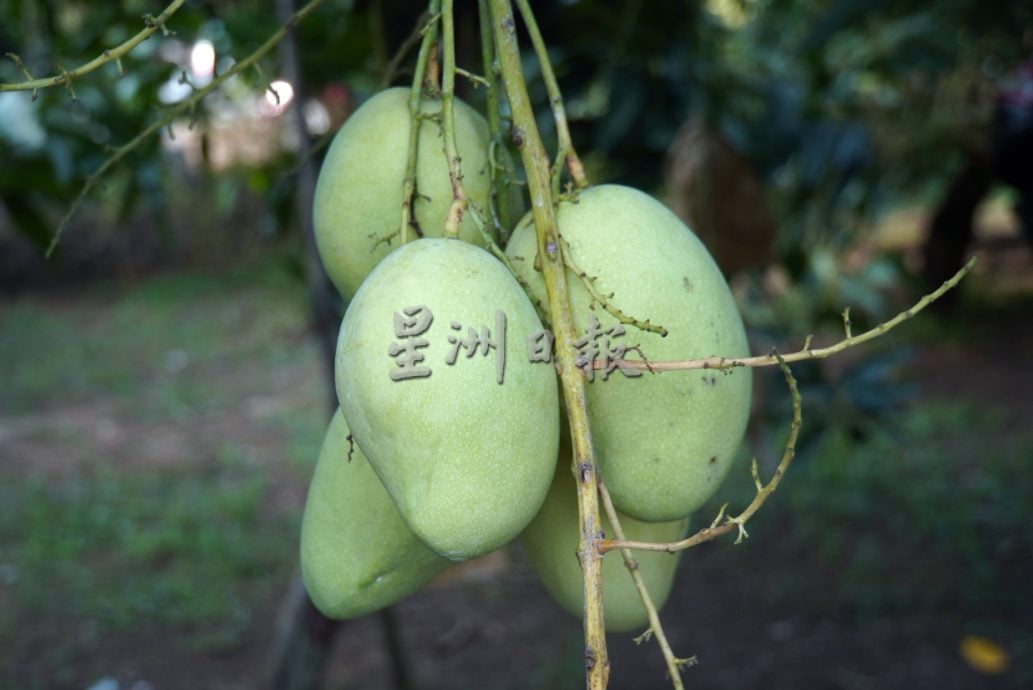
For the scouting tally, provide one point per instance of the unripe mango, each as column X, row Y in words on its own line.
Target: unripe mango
column 358, row 198
column 467, row 459
column 357, row 555
column 551, row 542
column 664, row 442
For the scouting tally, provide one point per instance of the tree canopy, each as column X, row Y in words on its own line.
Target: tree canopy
column 841, row 106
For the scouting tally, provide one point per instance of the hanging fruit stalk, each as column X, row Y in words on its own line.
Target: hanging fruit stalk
column 538, row 169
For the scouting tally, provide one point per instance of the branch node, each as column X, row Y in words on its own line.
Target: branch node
column 152, row 22
column 66, row 79
column 739, row 522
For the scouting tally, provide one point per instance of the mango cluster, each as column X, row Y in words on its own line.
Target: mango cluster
column 447, row 444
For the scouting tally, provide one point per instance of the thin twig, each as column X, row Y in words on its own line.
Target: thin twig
column 489, row 241
column 403, row 50
column 175, row 111
column 725, row 524
column 430, row 37
column 674, row 664
column 483, row 226
column 565, row 153
column 377, row 39
column 65, row 78
column 475, row 79
column 448, row 92
column 804, row 354
column 498, row 167
column 604, row 300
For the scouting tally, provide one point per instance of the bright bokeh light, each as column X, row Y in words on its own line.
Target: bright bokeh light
column 734, row 13
column 202, row 61
column 317, row 119
column 277, row 97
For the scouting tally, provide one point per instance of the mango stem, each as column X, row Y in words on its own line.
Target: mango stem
column 537, row 166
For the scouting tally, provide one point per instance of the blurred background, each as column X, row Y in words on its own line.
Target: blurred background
column 164, row 380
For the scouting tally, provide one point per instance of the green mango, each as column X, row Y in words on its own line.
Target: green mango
column 664, row 442
column 357, row 555
column 358, row 197
column 467, row 459
column 551, row 542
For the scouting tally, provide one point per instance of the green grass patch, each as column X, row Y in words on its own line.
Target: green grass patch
column 157, row 344
column 112, row 545
column 119, row 552
column 931, row 516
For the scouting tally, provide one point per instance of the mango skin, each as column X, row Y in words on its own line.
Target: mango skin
column 664, row 442
column 357, row 555
column 467, row 461
column 551, row 542
column 358, row 196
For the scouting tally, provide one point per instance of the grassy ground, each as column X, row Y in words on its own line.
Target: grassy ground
column 156, row 439
column 926, row 517
column 154, row 444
